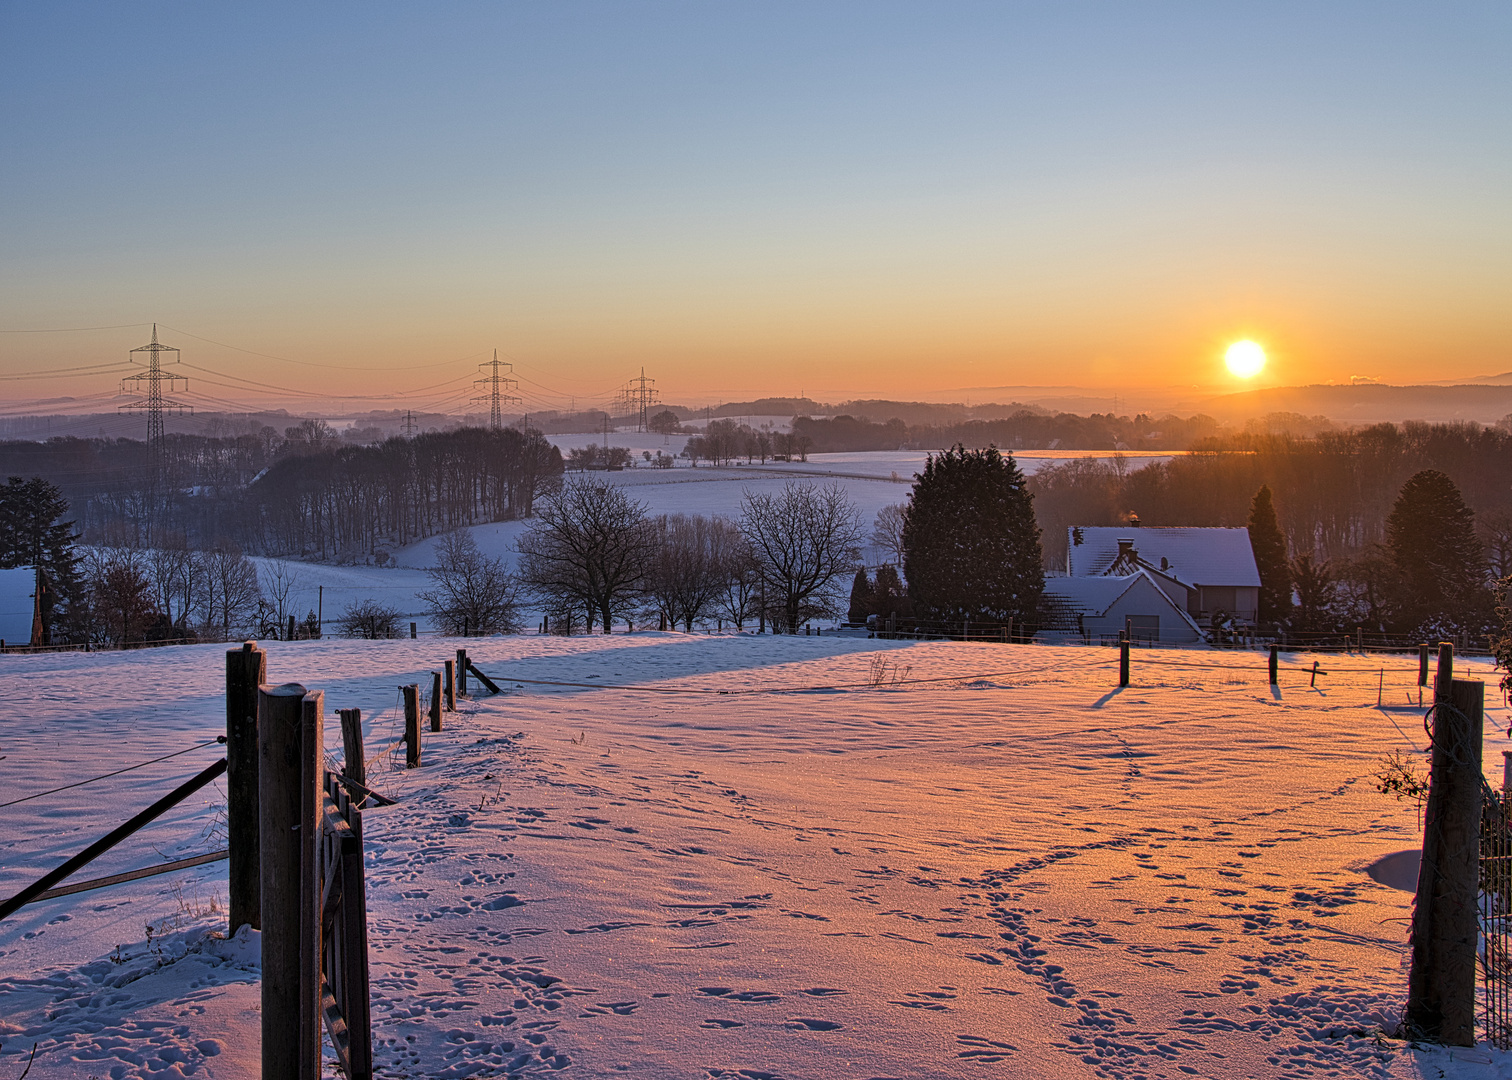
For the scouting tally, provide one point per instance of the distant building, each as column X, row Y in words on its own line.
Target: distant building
column 1095, row 608
column 1208, row 572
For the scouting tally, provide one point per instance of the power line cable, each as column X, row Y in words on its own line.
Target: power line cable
column 77, row 329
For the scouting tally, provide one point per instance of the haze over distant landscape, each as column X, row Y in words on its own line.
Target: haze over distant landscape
column 836, row 201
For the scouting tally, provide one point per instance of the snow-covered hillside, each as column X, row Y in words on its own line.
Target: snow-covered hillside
column 737, row 856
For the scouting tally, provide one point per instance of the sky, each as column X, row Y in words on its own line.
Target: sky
column 363, row 201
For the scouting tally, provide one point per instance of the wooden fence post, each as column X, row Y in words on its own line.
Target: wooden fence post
column 1275, row 661
column 289, row 761
column 1123, row 658
column 355, row 766
column 1423, row 664
column 1445, row 926
column 449, row 690
column 1444, row 676
column 461, row 672
column 411, row 725
column 414, row 633
column 435, row 701
column 246, row 670
column 312, row 802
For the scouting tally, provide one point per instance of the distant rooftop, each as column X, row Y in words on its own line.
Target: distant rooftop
column 1191, row 555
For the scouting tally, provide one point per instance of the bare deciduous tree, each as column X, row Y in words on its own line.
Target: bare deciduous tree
column 470, row 593
column 121, row 595
column 887, row 532
column 804, row 539
column 689, row 566
column 368, row 619
column 742, row 579
column 177, row 578
column 231, row 591
column 589, row 549
column 279, row 580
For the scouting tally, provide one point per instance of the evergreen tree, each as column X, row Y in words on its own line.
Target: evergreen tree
column 888, row 594
column 860, row 597
column 1270, row 558
column 971, row 547
column 1316, row 594
column 1440, row 563
column 32, row 533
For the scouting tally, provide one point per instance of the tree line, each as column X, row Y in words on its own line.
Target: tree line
column 306, row 492
column 1350, row 519
column 1024, row 430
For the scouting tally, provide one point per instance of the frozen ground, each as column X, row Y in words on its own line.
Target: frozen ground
column 737, row 859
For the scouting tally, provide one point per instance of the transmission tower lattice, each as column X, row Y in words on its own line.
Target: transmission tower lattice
column 497, row 389
column 640, row 396
column 148, row 385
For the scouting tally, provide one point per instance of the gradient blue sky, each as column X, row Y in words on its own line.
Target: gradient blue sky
column 875, row 198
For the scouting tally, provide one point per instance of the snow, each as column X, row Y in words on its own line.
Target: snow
column 868, row 480
column 724, row 856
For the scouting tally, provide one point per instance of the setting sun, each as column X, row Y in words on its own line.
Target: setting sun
column 1245, row 359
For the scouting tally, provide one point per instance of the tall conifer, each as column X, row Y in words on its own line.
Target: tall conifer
column 1270, row 558
column 971, row 547
column 1440, row 563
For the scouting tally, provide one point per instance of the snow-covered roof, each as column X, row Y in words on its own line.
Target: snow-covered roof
column 1193, row 556
column 1089, row 595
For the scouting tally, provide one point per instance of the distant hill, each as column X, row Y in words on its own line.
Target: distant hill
column 1369, row 403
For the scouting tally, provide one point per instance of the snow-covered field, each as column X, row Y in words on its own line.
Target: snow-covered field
column 871, row 480
column 730, row 856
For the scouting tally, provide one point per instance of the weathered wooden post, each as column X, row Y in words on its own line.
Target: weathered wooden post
column 411, row 725
column 1275, row 662
column 289, row 766
column 1445, row 673
column 449, row 690
column 1123, row 658
column 354, row 766
column 1423, row 664
column 1445, row 926
column 246, row 670
column 435, row 701
column 414, row 633
column 461, row 672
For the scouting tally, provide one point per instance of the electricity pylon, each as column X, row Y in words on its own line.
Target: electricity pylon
column 149, row 386
column 496, row 390
column 640, row 395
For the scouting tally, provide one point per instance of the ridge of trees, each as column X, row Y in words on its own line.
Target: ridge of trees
column 305, row 493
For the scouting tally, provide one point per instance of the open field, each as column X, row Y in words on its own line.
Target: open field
column 761, row 857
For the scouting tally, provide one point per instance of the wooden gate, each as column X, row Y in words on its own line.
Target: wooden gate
column 344, row 1001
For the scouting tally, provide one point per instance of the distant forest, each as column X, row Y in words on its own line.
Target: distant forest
column 307, row 492
column 1332, row 492
column 1024, row 430
column 303, row 493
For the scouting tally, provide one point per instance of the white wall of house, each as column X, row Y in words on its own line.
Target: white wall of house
column 1144, row 598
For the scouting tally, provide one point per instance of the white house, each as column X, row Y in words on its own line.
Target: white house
column 16, row 587
column 1208, row 571
column 1100, row 607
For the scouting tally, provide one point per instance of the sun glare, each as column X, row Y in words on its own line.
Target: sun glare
column 1245, row 359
